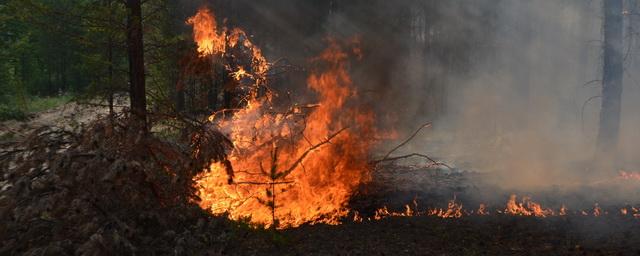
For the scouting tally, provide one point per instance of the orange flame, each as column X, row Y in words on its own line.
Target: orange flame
column 630, row 175
column 241, row 73
column 526, row 208
column 292, row 170
column 563, row 211
column 482, row 210
column 205, row 32
column 597, row 211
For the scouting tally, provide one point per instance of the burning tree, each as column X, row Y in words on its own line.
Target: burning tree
column 226, row 66
column 289, row 165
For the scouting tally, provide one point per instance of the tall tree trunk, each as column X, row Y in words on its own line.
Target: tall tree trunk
column 136, row 63
column 63, row 73
column 611, row 80
column 633, row 30
column 176, row 24
column 110, row 60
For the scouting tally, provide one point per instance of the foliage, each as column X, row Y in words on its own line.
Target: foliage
column 37, row 104
column 11, row 113
column 78, row 48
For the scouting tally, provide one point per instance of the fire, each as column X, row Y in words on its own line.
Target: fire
column 563, row 211
column 453, row 210
column 630, row 175
column 241, row 73
column 597, row 211
column 526, row 208
column 301, row 164
column 297, row 166
column 482, row 210
column 205, row 32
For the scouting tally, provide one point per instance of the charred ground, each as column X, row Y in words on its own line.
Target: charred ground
column 87, row 192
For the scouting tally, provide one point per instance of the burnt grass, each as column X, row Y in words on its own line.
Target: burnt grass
column 494, row 234
column 481, row 235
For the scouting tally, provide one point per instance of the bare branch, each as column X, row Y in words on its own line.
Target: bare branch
column 434, row 162
column 304, row 155
column 407, row 140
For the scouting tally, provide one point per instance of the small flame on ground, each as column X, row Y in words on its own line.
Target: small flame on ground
column 525, row 207
column 482, row 210
column 453, row 210
column 563, row 211
column 630, row 175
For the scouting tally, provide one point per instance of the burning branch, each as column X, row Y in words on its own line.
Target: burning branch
column 304, row 155
column 275, row 175
column 258, row 131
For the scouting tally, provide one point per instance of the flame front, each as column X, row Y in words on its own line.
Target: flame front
column 300, row 165
column 526, row 208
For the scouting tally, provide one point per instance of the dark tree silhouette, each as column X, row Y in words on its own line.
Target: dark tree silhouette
column 611, row 79
column 136, row 62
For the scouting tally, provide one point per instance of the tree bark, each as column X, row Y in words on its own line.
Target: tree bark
column 110, row 61
column 611, row 80
column 136, row 63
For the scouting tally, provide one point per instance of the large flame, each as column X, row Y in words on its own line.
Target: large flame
column 300, row 165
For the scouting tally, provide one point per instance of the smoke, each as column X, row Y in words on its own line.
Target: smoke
column 529, row 111
column 511, row 87
column 523, row 110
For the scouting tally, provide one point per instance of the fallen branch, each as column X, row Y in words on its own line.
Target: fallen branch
column 434, row 162
column 387, row 157
column 407, row 140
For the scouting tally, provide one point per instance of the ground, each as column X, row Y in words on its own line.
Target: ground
column 494, row 234
column 472, row 236
column 56, row 112
column 394, row 186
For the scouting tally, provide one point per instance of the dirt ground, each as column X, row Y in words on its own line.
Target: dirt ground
column 69, row 115
column 471, row 236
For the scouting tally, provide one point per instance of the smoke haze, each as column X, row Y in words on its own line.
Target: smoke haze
column 511, row 87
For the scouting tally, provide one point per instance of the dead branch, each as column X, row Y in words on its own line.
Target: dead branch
column 434, row 162
column 263, row 183
column 387, row 157
column 304, row 155
column 407, row 140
